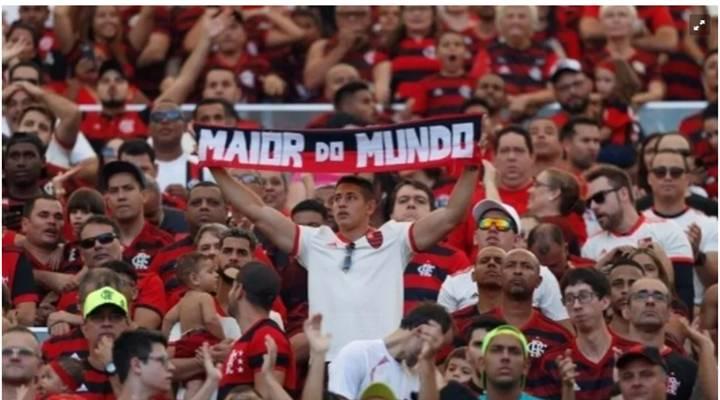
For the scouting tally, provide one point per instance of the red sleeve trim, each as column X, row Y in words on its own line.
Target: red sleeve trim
column 296, row 242
column 25, row 298
column 411, row 239
column 682, row 260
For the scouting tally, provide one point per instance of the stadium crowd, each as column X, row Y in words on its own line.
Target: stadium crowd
column 578, row 260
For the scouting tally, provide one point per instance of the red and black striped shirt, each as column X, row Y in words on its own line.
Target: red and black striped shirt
column 72, row 345
column 414, row 60
column 17, row 273
column 164, row 264
column 426, row 272
column 95, row 384
column 439, row 95
column 364, row 58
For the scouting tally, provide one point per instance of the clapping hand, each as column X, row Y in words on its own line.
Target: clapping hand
column 212, row 370
column 319, row 342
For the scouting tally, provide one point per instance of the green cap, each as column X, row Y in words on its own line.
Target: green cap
column 104, row 296
column 505, row 330
column 378, row 389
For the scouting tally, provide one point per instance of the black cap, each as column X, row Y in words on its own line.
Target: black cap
column 648, row 353
column 117, row 167
column 565, row 65
column 261, row 281
column 112, row 65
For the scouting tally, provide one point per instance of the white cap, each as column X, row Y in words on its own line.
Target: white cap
column 487, row 205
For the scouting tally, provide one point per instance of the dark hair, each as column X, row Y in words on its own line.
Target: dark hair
column 134, row 344
column 28, row 64
column 617, row 177
column 86, row 199
column 569, row 187
column 425, row 312
column 366, row 187
column 100, row 220
column 518, row 130
column 487, row 322
column 310, row 205
column 390, row 203
column 710, row 111
column 260, row 283
column 622, row 261
column 122, row 268
column 136, row 147
column 42, row 110
column 72, row 367
column 21, row 25
column 205, row 184
column 590, row 276
column 475, row 101
column 29, row 205
column 220, row 68
column 25, row 137
column 239, row 234
column 227, row 106
column 347, row 90
column 567, row 132
column 187, row 265
column 544, row 232
column 400, row 33
column 97, row 278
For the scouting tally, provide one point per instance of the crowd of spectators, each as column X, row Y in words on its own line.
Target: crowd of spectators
column 578, row 260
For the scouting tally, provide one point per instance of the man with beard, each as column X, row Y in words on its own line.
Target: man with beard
column 403, row 360
column 20, row 363
column 580, row 137
column 23, row 162
column 611, row 199
column 622, row 274
column 648, row 312
column 520, row 277
column 491, row 88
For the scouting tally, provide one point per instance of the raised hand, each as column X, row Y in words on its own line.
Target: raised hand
column 319, row 343
column 566, row 366
column 269, row 358
column 216, row 25
column 694, row 235
column 212, row 371
column 432, row 337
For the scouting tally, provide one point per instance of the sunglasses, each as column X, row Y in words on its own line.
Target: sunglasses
column 644, row 295
column 601, row 196
column 165, row 116
column 105, row 238
column 250, row 179
column 662, row 172
column 18, row 352
column 500, row 224
column 347, row 262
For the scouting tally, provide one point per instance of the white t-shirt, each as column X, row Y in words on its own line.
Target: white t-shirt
column 366, row 302
column 708, row 242
column 363, row 362
column 59, row 156
column 460, row 290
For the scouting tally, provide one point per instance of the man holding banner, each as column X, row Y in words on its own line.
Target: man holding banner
column 355, row 276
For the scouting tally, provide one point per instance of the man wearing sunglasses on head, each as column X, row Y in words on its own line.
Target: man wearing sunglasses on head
column 20, row 362
column 648, row 310
column 610, row 197
column 669, row 179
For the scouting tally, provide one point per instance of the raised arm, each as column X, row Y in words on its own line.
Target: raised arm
column 285, row 30
column 65, row 110
column 211, row 321
column 318, row 64
column 141, row 30
column 431, row 229
column 63, row 27
column 280, row 229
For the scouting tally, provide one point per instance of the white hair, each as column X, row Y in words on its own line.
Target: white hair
column 500, row 12
column 631, row 9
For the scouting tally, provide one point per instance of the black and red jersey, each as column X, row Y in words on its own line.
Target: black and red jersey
column 72, row 345
column 17, row 273
column 95, row 384
column 363, row 58
column 100, row 128
column 643, row 63
column 246, row 358
column 164, row 263
column 692, row 127
column 440, row 95
column 145, row 246
column 414, row 60
column 248, row 70
column 426, row 272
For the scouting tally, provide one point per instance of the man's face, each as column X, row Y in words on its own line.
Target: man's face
column 34, row 15
column 37, row 123
column 105, row 321
column 545, row 138
column 513, row 159
column 166, row 126
column 308, row 218
column 361, row 105
column 337, row 77
column 156, row 372
column 233, row 37
column 124, row 197
column 642, row 380
column 451, row 51
column 572, row 91
column 22, row 35
column 205, row 205
column 488, row 268
column 213, row 114
column 221, row 84
column 584, row 307
column 20, row 358
column 515, row 22
column 491, row 87
column 649, row 304
column 617, row 21
column 27, row 74
column 235, row 252
column 504, row 364
column 77, row 218
column 668, row 177
column 142, row 161
column 494, row 237
column 350, row 208
column 208, row 245
column 353, row 18
column 411, row 204
column 710, row 77
column 23, row 164
column 621, row 280
column 609, row 212
column 106, row 246
column 521, row 275
column 112, row 89
column 474, row 347
column 14, row 106
column 583, row 148
column 552, row 255
column 44, row 225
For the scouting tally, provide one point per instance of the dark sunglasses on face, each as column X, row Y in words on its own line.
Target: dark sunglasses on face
column 500, row 224
column 599, row 197
column 105, row 238
column 662, row 172
column 165, row 116
column 18, row 351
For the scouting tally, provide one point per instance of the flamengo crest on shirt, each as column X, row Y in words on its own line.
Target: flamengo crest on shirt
column 418, row 144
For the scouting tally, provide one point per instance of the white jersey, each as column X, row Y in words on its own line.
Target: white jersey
column 363, row 362
column 459, row 291
column 708, row 242
column 366, row 301
column 647, row 229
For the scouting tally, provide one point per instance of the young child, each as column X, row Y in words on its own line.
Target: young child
column 196, row 312
column 457, row 367
column 60, row 376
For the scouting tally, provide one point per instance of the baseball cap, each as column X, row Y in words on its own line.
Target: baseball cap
column 378, row 389
column 505, row 330
column 117, row 167
column 104, row 296
column 259, row 280
column 488, row 205
column 111, row 65
column 564, row 65
column 648, row 353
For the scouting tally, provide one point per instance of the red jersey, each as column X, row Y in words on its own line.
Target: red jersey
column 73, row 345
column 100, row 128
column 645, row 64
column 364, row 59
column 617, row 117
column 439, row 95
column 692, row 127
column 414, row 60
column 426, row 272
column 246, row 358
column 654, row 17
column 144, row 247
column 164, row 263
column 248, row 70
column 17, row 273
column 95, row 384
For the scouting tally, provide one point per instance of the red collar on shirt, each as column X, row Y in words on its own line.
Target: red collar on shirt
column 638, row 223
